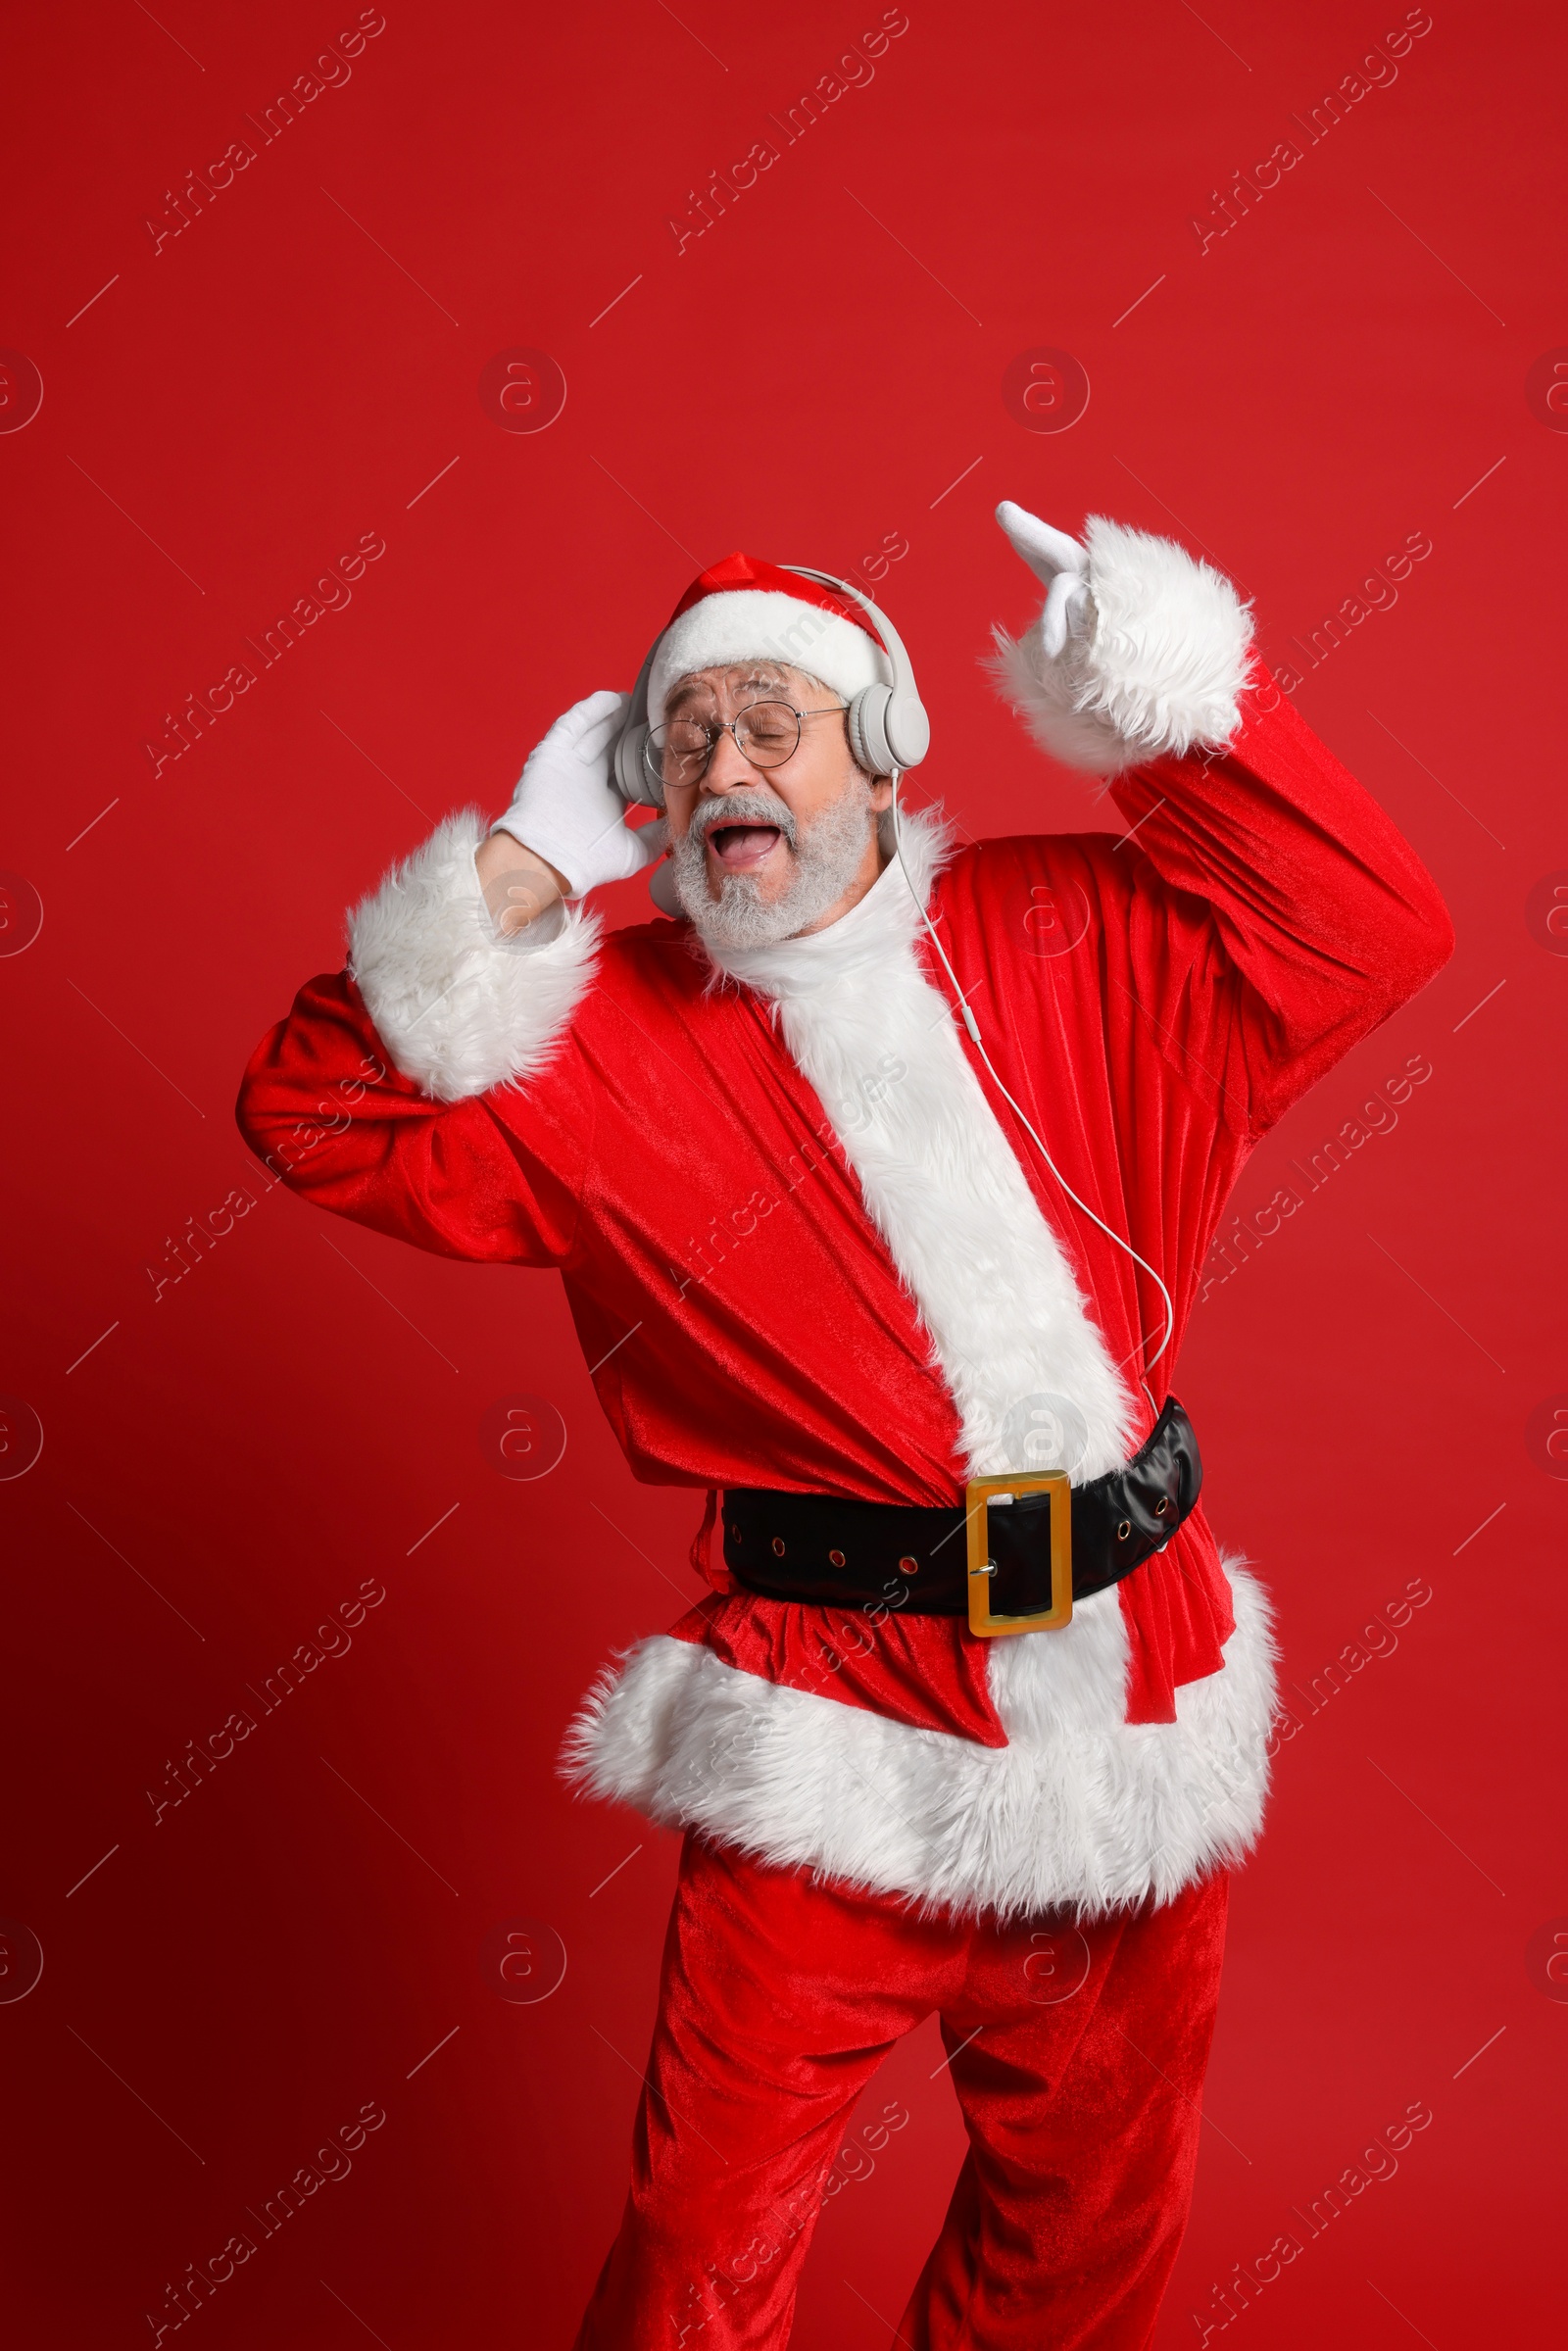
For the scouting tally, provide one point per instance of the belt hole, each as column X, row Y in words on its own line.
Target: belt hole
column 1124, row 1530
column 1161, row 1506
column 778, row 1545
column 908, row 1566
column 837, row 1558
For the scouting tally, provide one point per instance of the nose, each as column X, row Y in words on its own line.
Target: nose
column 727, row 771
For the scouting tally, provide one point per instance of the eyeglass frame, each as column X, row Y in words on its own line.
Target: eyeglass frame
column 728, row 726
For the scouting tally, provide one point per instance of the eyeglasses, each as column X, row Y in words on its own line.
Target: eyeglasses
column 767, row 734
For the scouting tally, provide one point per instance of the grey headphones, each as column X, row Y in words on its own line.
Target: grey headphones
column 888, row 727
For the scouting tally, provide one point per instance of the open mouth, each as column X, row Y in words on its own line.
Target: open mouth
column 740, row 846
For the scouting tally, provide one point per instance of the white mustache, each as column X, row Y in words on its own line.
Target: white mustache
column 755, row 804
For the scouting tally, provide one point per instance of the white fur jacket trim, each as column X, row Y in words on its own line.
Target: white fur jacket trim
column 1008, row 1325
column 459, row 1008
column 1159, row 666
column 1081, row 1807
column 1081, row 1810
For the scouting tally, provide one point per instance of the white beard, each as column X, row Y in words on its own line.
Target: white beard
column 827, row 856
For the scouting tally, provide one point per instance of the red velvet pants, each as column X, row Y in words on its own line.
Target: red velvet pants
column 1077, row 2055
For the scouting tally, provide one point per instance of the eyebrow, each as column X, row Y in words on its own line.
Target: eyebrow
column 774, row 680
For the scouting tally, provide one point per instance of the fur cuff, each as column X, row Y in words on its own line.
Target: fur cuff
column 1080, row 1810
column 1159, row 666
column 459, row 1009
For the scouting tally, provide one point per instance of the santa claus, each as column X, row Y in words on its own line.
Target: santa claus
column 880, row 1172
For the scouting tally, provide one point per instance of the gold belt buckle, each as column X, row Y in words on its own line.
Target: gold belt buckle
column 979, row 1495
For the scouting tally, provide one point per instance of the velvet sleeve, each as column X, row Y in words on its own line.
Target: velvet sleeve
column 1274, row 915
column 495, row 1177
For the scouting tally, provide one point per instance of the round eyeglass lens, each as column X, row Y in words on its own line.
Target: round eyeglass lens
column 678, row 751
column 768, row 733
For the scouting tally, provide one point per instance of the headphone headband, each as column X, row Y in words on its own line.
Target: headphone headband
column 888, row 727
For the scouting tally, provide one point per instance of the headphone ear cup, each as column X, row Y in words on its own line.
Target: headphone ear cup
column 888, row 729
column 867, row 730
column 906, row 728
column 632, row 779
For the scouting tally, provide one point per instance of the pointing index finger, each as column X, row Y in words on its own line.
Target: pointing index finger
column 1046, row 549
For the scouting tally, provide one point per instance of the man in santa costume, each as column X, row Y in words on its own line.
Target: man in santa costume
column 880, row 1179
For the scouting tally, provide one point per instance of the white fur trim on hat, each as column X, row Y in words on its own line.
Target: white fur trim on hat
column 753, row 624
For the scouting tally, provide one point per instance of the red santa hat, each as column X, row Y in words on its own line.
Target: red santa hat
column 743, row 609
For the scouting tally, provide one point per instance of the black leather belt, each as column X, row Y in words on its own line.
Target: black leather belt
column 1013, row 1559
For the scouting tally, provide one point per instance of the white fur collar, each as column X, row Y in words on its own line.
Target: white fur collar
column 1008, row 1325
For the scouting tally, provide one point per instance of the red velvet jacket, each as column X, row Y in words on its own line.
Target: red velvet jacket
column 742, row 1316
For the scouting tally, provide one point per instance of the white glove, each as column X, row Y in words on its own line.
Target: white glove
column 565, row 808
column 1062, row 564
column 1141, row 650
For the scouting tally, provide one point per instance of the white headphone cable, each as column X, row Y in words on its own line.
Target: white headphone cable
column 968, row 1019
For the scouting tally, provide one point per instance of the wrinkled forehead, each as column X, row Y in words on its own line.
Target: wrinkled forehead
column 732, row 685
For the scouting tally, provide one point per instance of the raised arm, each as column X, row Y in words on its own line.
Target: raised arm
column 431, row 1088
column 374, row 1098
column 1272, row 912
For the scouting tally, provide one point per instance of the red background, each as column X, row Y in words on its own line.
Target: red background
column 235, row 1455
